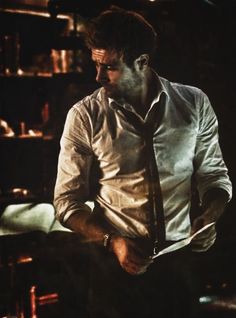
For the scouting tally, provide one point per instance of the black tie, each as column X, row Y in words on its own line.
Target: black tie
column 147, row 131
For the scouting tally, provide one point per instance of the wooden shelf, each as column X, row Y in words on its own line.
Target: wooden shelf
column 27, row 75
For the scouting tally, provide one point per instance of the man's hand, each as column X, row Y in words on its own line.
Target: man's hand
column 132, row 255
column 213, row 205
column 204, row 240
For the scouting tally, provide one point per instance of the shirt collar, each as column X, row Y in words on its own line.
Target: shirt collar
column 161, row 83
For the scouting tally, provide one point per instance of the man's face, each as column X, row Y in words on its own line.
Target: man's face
column 113, row 74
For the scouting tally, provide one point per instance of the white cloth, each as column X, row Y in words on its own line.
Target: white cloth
column 29, row 217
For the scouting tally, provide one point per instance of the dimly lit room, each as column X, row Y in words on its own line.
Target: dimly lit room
column 46, row 67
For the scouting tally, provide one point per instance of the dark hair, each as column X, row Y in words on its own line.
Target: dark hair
column 126, row 32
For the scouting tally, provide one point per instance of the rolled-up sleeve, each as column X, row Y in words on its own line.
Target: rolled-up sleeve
column 74, row 164
column 211, row 171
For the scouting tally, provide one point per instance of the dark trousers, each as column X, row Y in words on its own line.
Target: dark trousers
column 169, row 289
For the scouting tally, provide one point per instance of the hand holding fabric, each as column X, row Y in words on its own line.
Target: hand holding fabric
column 204, row 240
column 213, row 205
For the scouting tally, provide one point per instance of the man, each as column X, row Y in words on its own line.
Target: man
column 133, row 147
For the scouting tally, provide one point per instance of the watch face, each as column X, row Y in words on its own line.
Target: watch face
column 106, row 240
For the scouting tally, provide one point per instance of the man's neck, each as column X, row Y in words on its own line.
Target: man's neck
column 143, row 99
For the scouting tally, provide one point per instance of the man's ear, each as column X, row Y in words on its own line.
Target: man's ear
column 141, row 62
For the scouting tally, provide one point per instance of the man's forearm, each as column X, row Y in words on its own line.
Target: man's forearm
column 214, row 202
column 87, row 226
column 213, row 205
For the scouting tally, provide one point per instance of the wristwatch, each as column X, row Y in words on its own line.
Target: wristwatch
column 107, row 240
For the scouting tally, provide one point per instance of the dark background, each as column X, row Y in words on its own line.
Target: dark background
column 196, row 46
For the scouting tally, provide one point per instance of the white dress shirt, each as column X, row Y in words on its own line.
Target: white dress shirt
column 98, row 134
